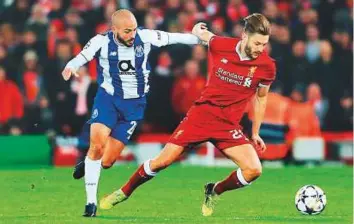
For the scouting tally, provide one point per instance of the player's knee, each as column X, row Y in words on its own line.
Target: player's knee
column 252, row 172
column 165, row 164
column 106, row 165
column 157, row 165
column 255, row 171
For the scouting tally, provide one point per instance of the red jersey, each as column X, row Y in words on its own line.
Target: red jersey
column 232, row 79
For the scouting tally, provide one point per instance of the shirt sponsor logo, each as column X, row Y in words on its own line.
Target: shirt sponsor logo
column 126, row 67
column 233, row 78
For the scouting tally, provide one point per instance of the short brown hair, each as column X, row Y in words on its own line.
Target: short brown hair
column 257, row 23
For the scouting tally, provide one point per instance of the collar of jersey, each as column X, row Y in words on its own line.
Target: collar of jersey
column 117, row 42
column 238, row 46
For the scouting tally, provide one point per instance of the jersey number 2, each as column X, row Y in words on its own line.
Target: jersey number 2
column 132, row 128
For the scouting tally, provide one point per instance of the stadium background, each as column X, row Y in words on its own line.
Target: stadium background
column 309, row 117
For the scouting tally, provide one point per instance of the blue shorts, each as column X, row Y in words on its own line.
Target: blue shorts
column 120, row 115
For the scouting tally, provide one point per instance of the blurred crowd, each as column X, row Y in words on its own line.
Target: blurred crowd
column 311, row 42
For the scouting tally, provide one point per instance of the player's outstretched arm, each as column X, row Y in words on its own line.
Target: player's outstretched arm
column 202, row 32
column 86, row 55
column 260, row 103
column 183, row 38
column 160, row 38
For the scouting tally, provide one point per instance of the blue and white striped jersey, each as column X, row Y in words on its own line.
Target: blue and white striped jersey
column 122, row 70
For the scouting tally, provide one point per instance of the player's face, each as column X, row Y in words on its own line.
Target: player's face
column 125, row 32
column 255, row 45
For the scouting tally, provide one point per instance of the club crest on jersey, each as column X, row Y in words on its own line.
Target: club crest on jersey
column 139, row 51
column 251, row 71
column 94, row 114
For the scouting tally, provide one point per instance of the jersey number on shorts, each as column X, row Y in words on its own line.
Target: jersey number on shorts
column 236, row 134
column 131, row 130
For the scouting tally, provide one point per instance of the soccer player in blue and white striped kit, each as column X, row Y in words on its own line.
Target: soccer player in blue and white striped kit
column 123, row 71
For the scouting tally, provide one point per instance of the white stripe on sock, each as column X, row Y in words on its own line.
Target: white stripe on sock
column 147, row 169
column 241, row 178
column 92, row 176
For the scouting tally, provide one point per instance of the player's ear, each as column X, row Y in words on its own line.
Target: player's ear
column 244, row 35
column 114, row 29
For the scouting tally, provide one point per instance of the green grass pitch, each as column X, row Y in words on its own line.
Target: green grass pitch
column 50, row 195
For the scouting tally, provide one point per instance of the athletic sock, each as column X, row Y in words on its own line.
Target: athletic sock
column 234, row 181
column 141, row 175
column 92, row 176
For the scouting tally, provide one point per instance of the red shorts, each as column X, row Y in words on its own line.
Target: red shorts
column 205, row 122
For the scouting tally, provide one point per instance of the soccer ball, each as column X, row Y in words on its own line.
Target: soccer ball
column 310, row 200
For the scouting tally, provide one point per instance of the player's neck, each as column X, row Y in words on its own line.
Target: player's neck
column 242, row 47
column 116, row 40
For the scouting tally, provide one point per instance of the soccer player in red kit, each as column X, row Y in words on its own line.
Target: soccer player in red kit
column 241, row 71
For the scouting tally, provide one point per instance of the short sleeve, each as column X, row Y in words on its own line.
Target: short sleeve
column 269, row 77
column 155, row 37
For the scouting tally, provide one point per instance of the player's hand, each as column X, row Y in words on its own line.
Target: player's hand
column 259, row 143
column 67, row 72
column 199, row 28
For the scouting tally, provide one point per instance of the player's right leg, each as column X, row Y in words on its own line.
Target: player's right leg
column 250, row 168
column 143, row 174
column 98, row 137
column 104, row 118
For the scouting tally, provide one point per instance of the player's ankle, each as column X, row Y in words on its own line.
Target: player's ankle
column 213, row 190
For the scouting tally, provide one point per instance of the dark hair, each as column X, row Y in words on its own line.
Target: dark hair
column 257, row 23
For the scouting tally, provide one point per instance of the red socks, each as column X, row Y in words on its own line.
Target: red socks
column 234, row 181
column 141, row 175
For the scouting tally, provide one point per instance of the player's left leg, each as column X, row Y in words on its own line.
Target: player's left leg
column 250, row 168
column 111, row 151
column 115, row 144
column 83, row 146
column 143, row 174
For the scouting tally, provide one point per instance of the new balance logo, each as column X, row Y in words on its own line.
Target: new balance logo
column 224, row 60
column 113, row 53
